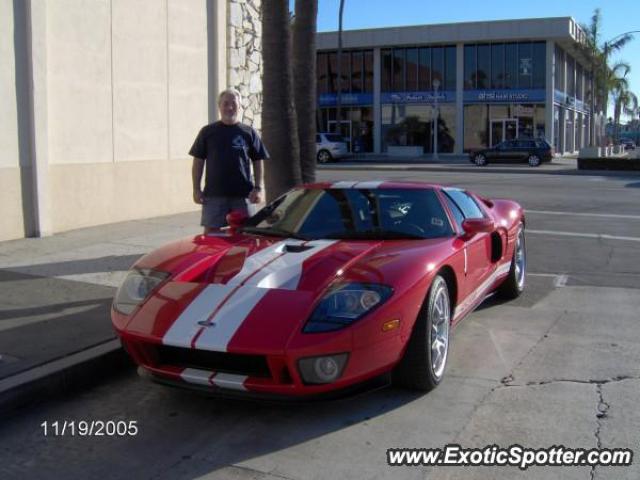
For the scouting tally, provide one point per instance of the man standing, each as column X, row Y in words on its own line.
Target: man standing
column 228, row 148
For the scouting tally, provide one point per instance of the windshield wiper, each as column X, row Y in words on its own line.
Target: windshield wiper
column 278, row 232
column 374, row 235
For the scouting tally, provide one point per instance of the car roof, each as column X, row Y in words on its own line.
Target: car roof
column 371, row 184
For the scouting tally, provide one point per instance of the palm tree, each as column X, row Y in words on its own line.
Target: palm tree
column 304, row 83
column 279, row 127
column 625, row 101
column 599, row 55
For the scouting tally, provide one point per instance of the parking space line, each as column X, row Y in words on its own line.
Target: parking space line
column 584, row 214
column 597, row 236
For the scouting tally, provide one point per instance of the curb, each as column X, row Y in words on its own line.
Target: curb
column 60, row 376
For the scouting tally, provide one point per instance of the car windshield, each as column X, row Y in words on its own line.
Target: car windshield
column 356, row 214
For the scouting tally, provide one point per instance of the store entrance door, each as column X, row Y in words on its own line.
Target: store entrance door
column 503, row 129
column 345, row 130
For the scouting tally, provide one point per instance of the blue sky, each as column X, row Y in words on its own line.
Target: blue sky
column 618, row 16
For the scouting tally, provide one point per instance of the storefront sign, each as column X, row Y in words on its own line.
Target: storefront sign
column 418, row 97
column 502, row 96
column 331, row 99
column 567, row 101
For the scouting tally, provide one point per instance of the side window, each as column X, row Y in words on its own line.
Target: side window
column 318, row 139
column 467, row 205
column 455, row 210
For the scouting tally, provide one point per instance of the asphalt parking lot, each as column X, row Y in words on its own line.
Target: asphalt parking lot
column 558, row 366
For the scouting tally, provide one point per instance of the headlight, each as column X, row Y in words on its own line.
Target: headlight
column 344, row 305
column 136, row 288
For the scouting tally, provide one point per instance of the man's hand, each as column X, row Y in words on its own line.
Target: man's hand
column 198, row 197
column 255, row 196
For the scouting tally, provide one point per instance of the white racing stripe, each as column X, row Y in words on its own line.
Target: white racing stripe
column 343, row 184
column 186, row 325
column 369, row 184
column 599, row 236
column 272, row 267
column 228, row 319
column 228, row 380
column 199, row 377
column 584, row 214
column 285, row 272
column 222, row 380
column 463, row 306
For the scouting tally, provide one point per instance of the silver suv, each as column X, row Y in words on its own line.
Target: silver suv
column 330, row 146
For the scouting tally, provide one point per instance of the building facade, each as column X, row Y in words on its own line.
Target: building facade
column 100, row 102
column 481, row 83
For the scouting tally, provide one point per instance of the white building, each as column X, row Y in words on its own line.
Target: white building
column 101, row 100
column 496, row 81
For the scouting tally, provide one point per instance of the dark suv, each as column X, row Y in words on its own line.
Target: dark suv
column 532, row 151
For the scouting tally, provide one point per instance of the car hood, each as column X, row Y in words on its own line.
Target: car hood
column 245, row 294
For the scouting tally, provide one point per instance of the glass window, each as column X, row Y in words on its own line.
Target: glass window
column 333, row 72
column 467, row 204
column 368, row 71
column 437, row 65
column 558, row 69
column 345, row 85
column 412, row 69
column 321, row 73
column 455, row 211
column 446, row 128
column 497, row 65
column 356, row 72
column 571, row 80
column 484, row 67
column 476, row 129
column 525, row 65
column 470, row 67
column 424, row 69
column 450, row 68
column 398, row 69
column 387, row 71
column 539, row 65
column 579, row 82
column 539, row 121
column 511, row 65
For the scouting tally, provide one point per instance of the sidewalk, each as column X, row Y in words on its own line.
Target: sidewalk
column 55, row 324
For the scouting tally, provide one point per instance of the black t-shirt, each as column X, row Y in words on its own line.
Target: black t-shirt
column 228, row 151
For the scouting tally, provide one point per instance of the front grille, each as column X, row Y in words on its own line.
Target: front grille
column 250, row 365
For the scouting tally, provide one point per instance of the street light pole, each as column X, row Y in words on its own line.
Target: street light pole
column 436, row 85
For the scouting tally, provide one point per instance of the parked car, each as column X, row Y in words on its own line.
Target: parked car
column 330, row 147
column 524, row 150
column 329, row 287
column 628, row 144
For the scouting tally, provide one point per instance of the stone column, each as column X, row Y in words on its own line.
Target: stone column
column 244, row 56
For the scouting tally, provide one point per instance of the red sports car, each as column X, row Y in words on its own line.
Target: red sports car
column 329, row 287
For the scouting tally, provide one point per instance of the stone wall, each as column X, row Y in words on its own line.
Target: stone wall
column 244, row 56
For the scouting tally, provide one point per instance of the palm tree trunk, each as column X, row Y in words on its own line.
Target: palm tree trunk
column 304, row 81
column 279, row 127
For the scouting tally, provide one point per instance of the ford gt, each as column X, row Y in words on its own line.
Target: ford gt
column 327, row 288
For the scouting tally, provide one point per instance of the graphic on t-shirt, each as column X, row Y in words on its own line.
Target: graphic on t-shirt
column 238, row 142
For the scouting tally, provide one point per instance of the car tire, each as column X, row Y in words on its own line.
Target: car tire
column 324, row 156
column 534, row 161
column 480, row 160
column 425, row 359
column 513, row 285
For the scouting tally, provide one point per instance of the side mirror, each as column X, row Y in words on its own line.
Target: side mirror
column 235, row 219
column 473, row 226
